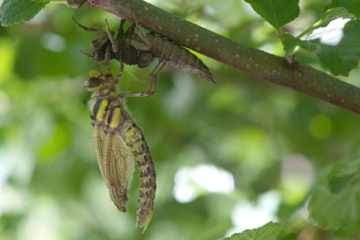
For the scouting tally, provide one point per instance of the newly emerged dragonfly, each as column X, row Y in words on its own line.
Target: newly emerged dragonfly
column 121, row 145
column 138, row 46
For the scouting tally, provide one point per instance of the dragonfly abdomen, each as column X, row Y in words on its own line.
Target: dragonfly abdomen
column 147, row 188
column 145, row 165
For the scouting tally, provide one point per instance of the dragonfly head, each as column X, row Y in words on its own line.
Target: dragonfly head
column 99, row 81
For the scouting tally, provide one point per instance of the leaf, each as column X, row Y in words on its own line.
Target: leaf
column 352, row 6
column 338, row 57
column 343, row 175
column 16, row 11
column 267, row 179
column 275, row 11
column 335, row 203
column 333, row 38
column 289, row 42
column 270, row 231
column 331, row 15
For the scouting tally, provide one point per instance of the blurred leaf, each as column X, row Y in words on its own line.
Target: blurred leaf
column 342, row 175
column 339, row 53
column 352, row 6
column 331, row 15
column 275, row 11
column 267, row 179
column 9, row 220
column 55, row 144
column 338, row 183
column 16, row 11
column 7, row 50
column 339, row 56
column 270, row 231
column 342, row 57
column 335, row 203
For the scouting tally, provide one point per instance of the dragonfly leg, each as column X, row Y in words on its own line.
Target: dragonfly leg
column 139, row 32
column 107, row 55
column 109, row 34
column 119, row 34
column 86, row 28
column 131, row 29
column 152, row 83
column 119, row 74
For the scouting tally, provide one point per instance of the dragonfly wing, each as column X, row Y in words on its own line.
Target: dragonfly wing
column 117, row 168
column 100, row 146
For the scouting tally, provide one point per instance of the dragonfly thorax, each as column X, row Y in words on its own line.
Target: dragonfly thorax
column 101, row 83
column 115, row 117
column 108, row 112
column 98, row 109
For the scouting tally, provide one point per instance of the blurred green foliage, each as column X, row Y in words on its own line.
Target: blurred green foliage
column 292, row 158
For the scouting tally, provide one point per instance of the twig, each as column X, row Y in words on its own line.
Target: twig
column 255, row 63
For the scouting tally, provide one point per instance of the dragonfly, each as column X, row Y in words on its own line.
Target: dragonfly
column 139, row 46
column 121, row 145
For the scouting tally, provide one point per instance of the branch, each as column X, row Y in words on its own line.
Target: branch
column 257, row 64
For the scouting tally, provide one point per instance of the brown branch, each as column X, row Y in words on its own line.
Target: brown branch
column 255, row 63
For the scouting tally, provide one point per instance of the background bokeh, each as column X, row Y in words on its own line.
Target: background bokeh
column 229, row 156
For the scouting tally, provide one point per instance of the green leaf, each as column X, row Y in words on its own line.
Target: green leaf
column 352, row 6
column 340, row 58
column 270, row 231
column 335, row 203
column 16, row 11
column 343, row 175
column 331, row 15
column 289, row 42
column 275, row 11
